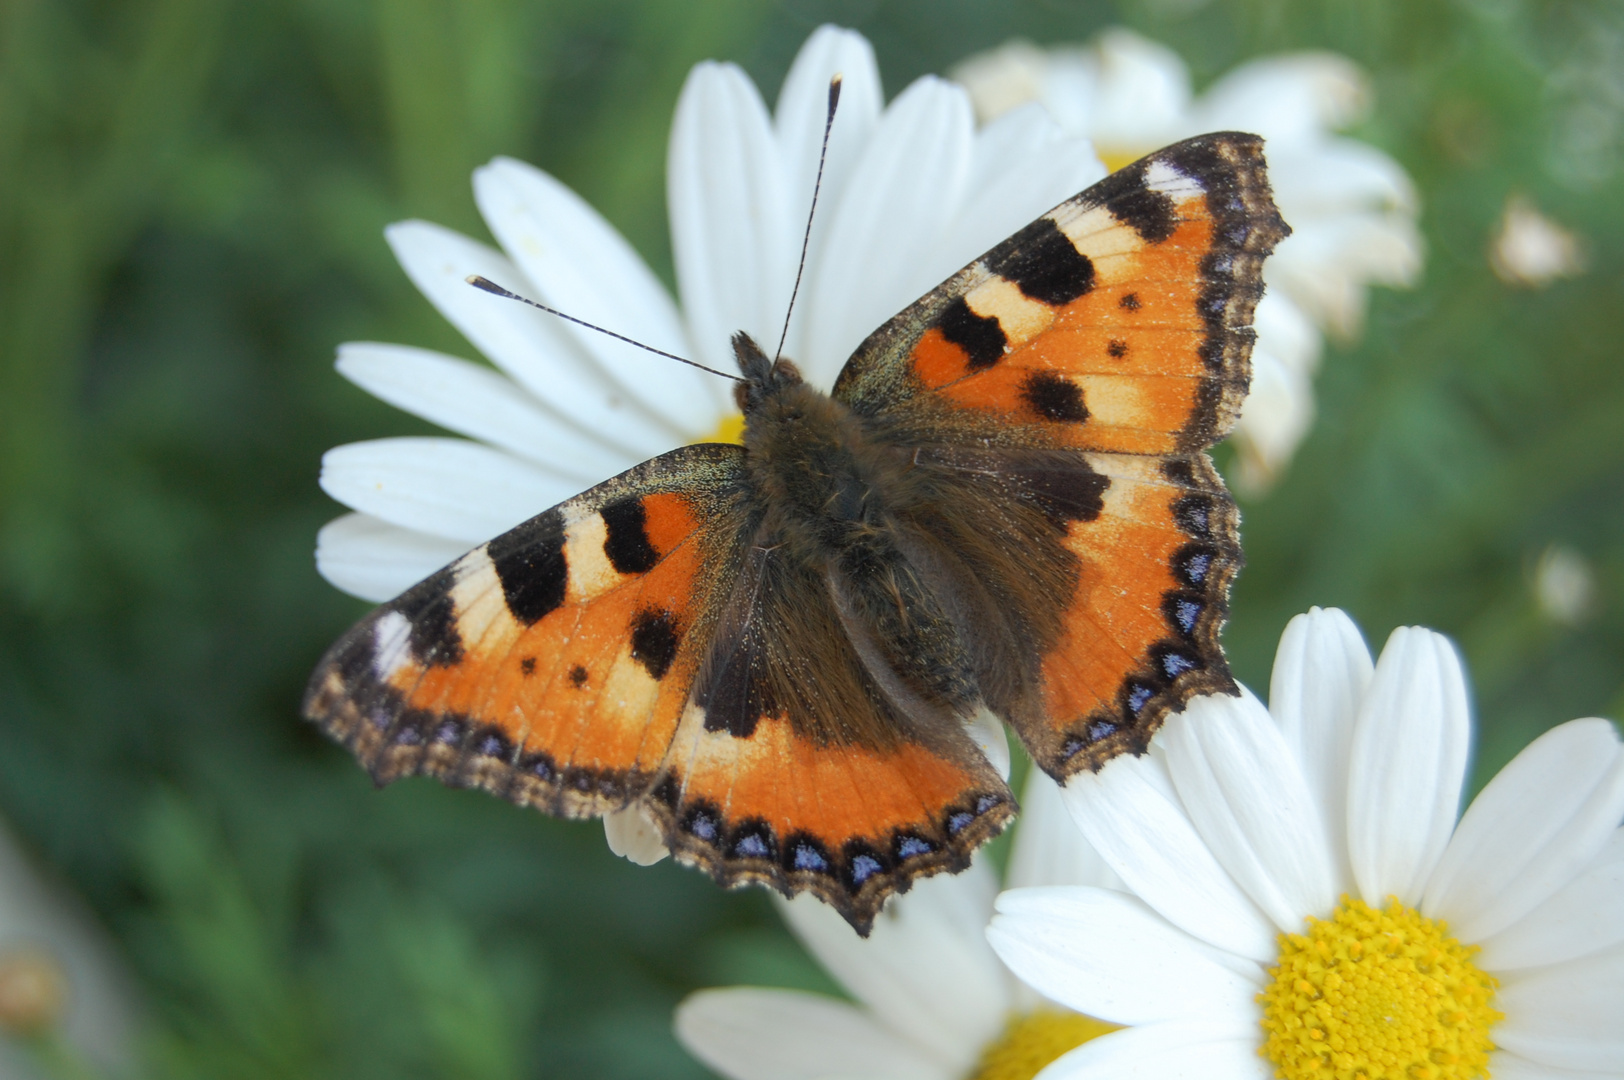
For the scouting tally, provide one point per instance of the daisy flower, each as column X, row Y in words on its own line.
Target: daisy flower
column 1352, row 208
column 932, row 1001
column 1305, row 905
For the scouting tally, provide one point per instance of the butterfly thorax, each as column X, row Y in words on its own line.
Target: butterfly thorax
column 832, row 498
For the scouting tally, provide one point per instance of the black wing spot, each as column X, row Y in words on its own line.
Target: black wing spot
column 1129, row 302
column 737, row 694
column 1071, row 494
column 1117, row 348
column 1043, row 263
column 1054, row 397
column 654, row 641
column 530, row 563
column 429, row 609
column 1150, row 213
column 981, row 338
column 578, row 676
column 627, row 544
column 528, row 665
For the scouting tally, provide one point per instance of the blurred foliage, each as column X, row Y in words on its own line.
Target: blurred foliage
column 191, row 199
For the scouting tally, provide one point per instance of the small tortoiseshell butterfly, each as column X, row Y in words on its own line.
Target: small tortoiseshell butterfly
column 773, row 648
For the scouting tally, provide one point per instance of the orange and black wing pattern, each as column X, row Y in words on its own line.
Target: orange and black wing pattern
column 551, row 665
column 1116, row 327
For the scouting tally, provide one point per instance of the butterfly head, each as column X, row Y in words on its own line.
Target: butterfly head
column 763, row 378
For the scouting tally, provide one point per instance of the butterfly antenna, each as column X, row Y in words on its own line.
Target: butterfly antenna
column 492, row 287
column 817, row 185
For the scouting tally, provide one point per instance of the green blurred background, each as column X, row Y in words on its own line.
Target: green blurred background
column 192, row 194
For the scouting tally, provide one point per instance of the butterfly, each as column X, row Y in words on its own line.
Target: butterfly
column 1004, row 507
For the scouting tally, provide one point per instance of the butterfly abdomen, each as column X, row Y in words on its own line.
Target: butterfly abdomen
column 832, row 501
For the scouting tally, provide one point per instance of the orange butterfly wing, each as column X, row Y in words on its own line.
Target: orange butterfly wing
column 550, row 665
column 1117, row 326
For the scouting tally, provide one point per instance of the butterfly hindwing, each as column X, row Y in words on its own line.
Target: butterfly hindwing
column 1116, row 327
column 550, row 665
column 797, row 766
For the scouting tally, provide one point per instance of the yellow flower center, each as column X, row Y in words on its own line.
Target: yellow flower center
column 1114, row 158
column 731, row 430
column 1377, row 995
column 1032, row 1041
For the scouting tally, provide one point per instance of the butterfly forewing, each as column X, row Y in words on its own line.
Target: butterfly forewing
column 550, row 665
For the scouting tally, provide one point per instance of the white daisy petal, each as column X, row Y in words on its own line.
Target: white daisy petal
column 730, row 221
column 1249, row 801
column 1141, row 832
column 1037, row 169
column 578, row 263
column 1107, row 954
column 450, row 488
column 1049, row 848
column 1325, row 266
column 1068, row 85
column 749, row 1034
column 1337, row 175
column 1566, row 1015
column 530, row 345
column 478, row 402
column 883, row 228
column 803, row 106
column 1532, row 829
column 632, row 835
column 1584, row 916
column 1012, row 137
column 1407, row 763
column 1285, row 332
column 1171, row 1051
column 1286, row 98
column 987, row 732
column 377, row 561
column 1504, row 1065
column 1276, row 416
column 925, row 970
column 1321, row 671
column 1143, row 89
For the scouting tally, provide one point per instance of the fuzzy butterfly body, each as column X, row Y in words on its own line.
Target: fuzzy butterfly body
column 1004, row 508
